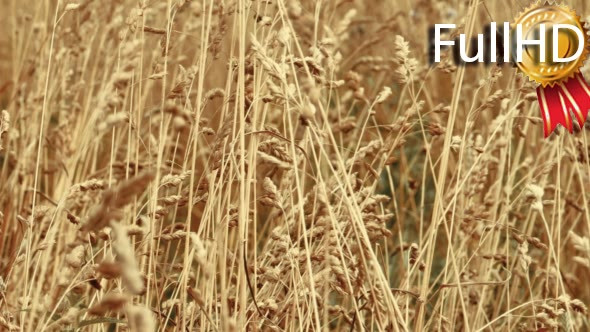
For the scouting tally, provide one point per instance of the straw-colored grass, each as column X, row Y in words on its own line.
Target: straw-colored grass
column 279, row 165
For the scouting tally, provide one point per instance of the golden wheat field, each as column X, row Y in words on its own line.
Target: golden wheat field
column 280, row 165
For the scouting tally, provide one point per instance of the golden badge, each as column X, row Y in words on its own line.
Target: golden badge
column 562, row 88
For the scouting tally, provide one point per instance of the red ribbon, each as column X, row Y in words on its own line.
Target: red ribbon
column 557, row 102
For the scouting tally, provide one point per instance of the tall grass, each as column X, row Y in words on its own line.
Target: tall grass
column 277, row 165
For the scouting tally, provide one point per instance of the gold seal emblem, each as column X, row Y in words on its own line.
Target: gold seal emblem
column 549, row 73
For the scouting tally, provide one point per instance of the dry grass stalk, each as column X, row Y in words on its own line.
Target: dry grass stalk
column 111, row 302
